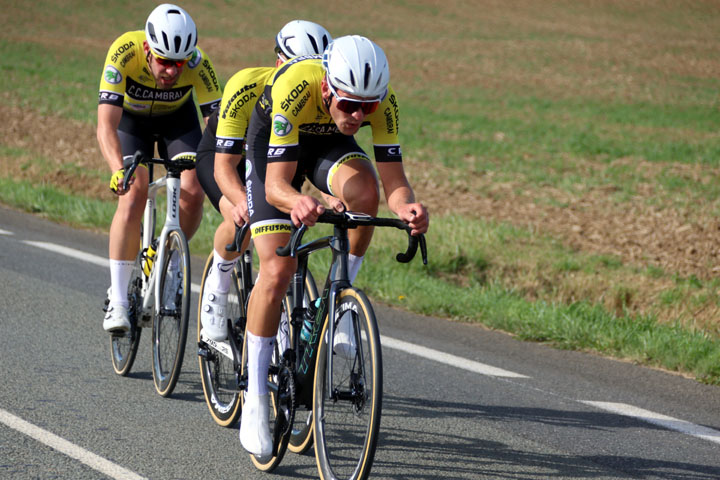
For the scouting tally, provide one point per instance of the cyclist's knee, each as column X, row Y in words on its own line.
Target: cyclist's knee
column 131, row 205
column 275, row 275
column 360, row 196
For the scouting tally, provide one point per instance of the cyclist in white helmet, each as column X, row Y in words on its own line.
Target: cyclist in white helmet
column 146, row 97
column 303, row 127
column 220, row 165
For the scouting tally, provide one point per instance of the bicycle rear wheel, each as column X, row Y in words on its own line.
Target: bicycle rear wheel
column 123, row 347
column 217, row 366
column 170, row 322
column 347, row 406
column 301, row 436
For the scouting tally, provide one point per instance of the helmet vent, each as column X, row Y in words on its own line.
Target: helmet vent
column 368, row 73
column 314, row 44
column 166, row 42
column 187, row 43
column 287, row 47
column 151, row 31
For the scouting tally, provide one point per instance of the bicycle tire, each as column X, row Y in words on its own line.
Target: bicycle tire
column 354, row 414
column 170, row 321
column 217, row 370
column 268, row 464
column 123, row 348
column 301, row 437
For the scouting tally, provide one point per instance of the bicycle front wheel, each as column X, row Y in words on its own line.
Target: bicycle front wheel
column 347, row 397
column 123, row 347
column 170, row 322
column 217, row 365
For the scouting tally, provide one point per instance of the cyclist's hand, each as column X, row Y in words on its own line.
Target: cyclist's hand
column 416, row 216
column 116, row 182
column 333, row 202
column 240, row 213
column 306, row 211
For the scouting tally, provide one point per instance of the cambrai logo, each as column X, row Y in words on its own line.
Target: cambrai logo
column 112, row 75
column 281, row 125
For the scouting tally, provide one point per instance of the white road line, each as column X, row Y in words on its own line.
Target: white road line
column 71, row 252
column 70, row 449
column 5, row 232
column 447, row 359
column 671, row 423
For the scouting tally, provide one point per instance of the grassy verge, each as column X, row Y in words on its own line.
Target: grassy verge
column 462, row 283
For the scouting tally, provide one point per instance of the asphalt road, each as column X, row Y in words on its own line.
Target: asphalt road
column 460, row 402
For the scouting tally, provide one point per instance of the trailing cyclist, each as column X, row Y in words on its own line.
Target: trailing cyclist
column 303, row 126
column 221, row 166
column 146, row 96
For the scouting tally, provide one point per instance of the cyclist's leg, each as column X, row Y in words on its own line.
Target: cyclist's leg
column 125, row 228
column 270, row 229
column 181, row 134
column 344, row 170
column 218, row 280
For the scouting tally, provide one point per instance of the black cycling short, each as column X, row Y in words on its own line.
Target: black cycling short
column 205, row 165
column 318, row 158
column 176, row 134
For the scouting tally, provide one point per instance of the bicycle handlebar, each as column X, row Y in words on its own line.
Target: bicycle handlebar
column 349, row 220
column 131, row 164
column 240, row 233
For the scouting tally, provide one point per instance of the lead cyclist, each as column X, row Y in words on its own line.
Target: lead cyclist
column 221, row 165
column 303, row 126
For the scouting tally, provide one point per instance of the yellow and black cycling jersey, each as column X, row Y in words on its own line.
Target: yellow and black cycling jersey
column 241, row 93
column 292, row 106
column 127, row 82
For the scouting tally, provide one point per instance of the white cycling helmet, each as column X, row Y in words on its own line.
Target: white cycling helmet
column 300, row 37
column 170, row 32
column 357, row 66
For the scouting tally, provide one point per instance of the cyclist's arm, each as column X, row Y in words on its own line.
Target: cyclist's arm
column 108, row 121
column 228, row 180
column 281, row 194
column 401, row 198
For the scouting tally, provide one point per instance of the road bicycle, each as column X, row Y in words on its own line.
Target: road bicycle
column 343, row 391
column 220, row 361
column 159, row 287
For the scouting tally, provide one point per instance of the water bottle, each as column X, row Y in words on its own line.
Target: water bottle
column 307, row 327
column 149, row 258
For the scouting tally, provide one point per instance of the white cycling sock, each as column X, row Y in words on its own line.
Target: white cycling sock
column 220, row 274
column 260, row 350
column 120, row 272
column 354, row 264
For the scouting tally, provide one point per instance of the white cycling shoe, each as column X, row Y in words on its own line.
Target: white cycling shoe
column 212, row 316
column 255, row 427
column 116, row 319
column 344, row 343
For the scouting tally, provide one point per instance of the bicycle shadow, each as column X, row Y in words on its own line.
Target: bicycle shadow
column 454, row 452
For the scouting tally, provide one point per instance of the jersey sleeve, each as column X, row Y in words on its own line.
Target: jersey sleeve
column 238, row 100
column 384, row 123
column 114, row 75
column 296, row 98
column 207, row 87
